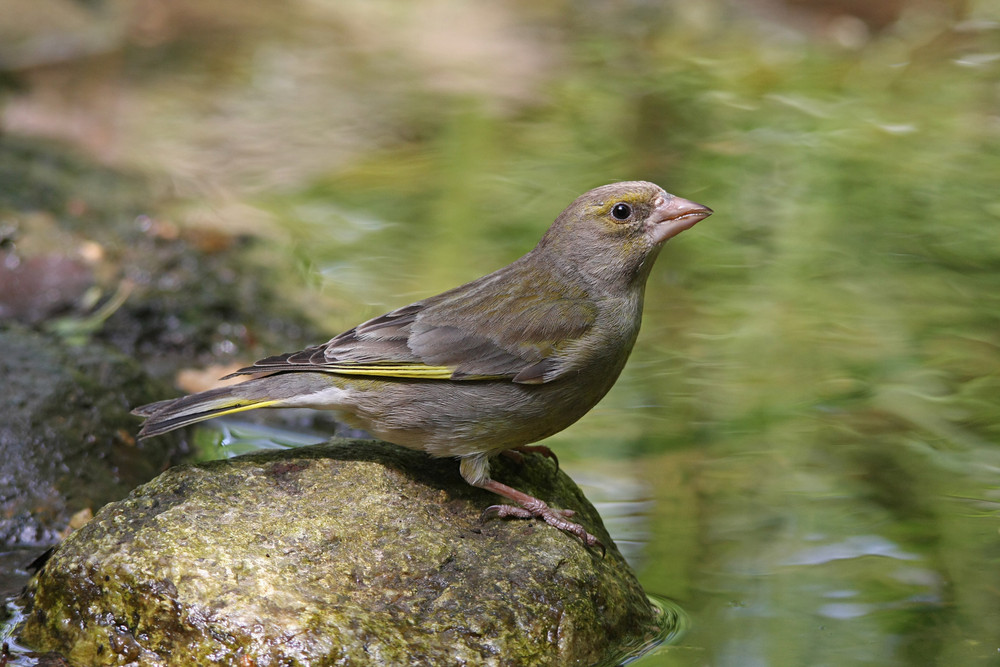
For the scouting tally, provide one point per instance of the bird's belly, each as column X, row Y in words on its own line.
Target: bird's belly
column 462, row 418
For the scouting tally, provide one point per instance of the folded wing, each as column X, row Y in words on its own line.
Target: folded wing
column 486, row 330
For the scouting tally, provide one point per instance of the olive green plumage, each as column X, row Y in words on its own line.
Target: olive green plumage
column 492, row 365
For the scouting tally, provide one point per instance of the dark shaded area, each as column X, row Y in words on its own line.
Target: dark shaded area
column 66, row 437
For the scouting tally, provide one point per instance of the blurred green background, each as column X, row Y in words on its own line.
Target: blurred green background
column 803, row 451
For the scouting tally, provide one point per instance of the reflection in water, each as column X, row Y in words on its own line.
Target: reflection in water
column 854, row 546
column 622, row 499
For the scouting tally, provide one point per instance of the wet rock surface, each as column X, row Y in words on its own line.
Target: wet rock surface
column 66, row 443
column 350, row 552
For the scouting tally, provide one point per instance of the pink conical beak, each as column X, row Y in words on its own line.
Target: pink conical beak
column 672, row 215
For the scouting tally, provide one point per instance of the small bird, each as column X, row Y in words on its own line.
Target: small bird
column 488, row 367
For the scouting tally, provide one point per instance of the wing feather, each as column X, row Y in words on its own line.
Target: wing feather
column 498, row 327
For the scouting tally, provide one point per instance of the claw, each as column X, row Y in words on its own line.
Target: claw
column 514, row 455
column 504, row 511
column 538, row 449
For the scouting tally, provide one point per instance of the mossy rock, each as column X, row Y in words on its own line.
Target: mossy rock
column 350, row 552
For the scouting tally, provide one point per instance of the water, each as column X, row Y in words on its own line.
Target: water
column 803, row 451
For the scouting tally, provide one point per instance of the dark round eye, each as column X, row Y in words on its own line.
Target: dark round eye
column 621, row 211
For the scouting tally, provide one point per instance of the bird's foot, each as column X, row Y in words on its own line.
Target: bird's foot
column 537, row 509
column 516, row 454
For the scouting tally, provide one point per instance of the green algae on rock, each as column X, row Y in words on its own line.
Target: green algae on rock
column 353, row 551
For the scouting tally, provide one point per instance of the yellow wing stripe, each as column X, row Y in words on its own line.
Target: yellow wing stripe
column 243, row 408
column 413, row 371
column 393, row 370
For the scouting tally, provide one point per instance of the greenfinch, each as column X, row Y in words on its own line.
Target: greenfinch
column 488, row 367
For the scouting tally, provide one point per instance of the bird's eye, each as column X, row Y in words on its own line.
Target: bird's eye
column 621, row 211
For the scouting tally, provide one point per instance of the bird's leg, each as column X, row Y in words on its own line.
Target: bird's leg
column 475, row 470
column 516, row 454
column 531, row 507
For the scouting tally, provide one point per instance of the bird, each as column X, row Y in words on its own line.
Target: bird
column 488, row 367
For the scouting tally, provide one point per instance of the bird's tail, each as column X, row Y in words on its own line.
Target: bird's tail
column 164, row 416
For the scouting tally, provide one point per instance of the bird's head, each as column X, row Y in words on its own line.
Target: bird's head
column 615, row 231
